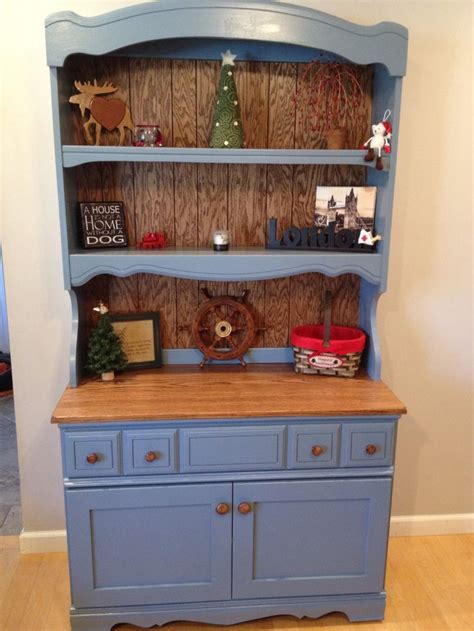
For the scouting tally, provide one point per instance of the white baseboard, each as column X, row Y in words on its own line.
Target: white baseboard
column 416, row 525
column 43, row 541
column 419, row 525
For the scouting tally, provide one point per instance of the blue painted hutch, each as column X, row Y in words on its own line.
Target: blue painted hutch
column 221, row 495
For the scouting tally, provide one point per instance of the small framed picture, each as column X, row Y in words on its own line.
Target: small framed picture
column 140, row 337
column 350, row 207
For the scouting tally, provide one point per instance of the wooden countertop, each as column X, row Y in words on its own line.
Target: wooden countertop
column 188, row 392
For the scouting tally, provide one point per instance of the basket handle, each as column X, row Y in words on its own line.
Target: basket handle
column 327, row 318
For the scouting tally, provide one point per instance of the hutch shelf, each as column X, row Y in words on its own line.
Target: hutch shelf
column 222, row 495
column 236, row 264
column 74, row 156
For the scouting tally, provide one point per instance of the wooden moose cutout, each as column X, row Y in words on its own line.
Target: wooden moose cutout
column 108, row 113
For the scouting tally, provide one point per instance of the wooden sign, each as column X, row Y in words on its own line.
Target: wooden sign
column 103, row 225
column 104, row 112
column 314, row 238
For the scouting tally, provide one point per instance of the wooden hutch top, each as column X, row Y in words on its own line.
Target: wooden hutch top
column 217, row 392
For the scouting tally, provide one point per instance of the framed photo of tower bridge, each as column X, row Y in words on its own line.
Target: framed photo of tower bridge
column 350, row 207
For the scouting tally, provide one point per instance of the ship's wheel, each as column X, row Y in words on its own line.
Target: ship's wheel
column 224, row 328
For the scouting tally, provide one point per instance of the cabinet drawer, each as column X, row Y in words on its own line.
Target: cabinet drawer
column 313, row 446
column 367, row 444
column 91, row 454
column 149, row 452
column 232, row 449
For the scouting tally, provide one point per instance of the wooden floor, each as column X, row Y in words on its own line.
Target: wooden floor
column 429, row 584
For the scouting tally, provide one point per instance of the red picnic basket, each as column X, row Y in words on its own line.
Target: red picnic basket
column 325, row 349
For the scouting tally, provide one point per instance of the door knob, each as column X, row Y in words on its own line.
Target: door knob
column 222, row 508
column 316, row 450
column 92, row 458
column 151, row 456
column 244, row 508
column 371, row 449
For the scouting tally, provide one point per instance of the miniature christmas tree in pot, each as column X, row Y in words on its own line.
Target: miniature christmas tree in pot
column 105, row 353
column 227, row 132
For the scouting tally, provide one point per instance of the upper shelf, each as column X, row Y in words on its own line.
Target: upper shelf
column 74, row 155
column 234, row 265
column 271, row 22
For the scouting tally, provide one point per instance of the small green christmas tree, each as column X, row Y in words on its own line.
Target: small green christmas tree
column 227, row 129
column 105, row 353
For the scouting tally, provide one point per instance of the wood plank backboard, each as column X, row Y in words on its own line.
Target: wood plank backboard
column 189, row 201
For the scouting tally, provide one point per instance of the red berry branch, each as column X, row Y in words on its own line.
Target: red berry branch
column 333, row 96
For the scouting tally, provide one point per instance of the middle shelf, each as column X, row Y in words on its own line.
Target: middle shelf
column 236, row 264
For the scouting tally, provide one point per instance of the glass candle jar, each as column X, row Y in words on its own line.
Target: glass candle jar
column 220, row 240
column 147, row 136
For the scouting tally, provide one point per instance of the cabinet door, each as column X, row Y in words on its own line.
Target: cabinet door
column 138, row 546
column 310, row 537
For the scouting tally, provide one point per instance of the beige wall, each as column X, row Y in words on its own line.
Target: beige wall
column 425, row 317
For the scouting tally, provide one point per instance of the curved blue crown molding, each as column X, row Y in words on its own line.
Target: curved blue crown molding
column 68, row 33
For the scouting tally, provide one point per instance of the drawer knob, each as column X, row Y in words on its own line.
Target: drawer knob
column 222, row 508
column 151, row 456
column 92, row 458
column 371, row 449
column 316, row 450
column 244, row 508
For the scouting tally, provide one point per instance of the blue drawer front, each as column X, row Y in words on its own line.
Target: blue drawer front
column 232, row 449
column 313, row 446
column 367, row 444
column 104, row 446
column 160, row 444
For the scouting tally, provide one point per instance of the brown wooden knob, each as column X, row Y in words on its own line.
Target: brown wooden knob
column 222, row 509
column 92, row 458
column 151, row 456
column 316, row 450
column 244, row 508
column 371, row 449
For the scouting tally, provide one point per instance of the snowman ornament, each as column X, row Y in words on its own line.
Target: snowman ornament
column 382, row 133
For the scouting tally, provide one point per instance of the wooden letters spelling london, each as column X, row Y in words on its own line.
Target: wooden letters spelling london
column 314, row 238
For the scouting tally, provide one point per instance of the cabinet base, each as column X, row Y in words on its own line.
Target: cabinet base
column 358, row 607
